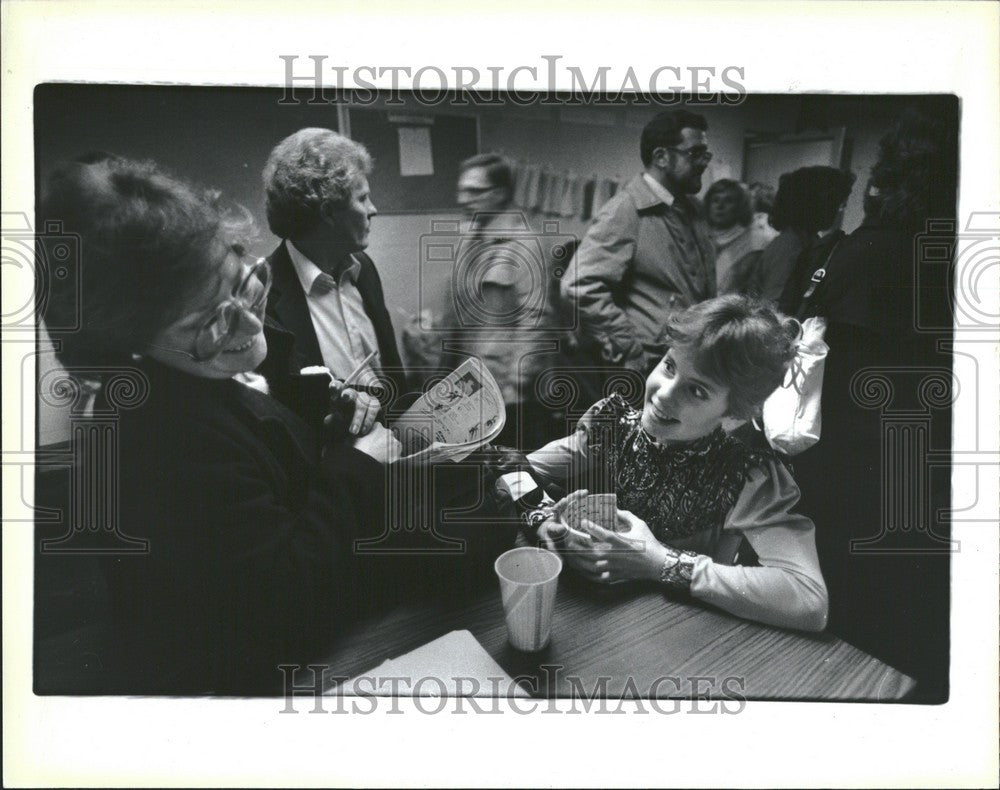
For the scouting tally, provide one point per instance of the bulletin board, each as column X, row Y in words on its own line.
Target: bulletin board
column 416, row 156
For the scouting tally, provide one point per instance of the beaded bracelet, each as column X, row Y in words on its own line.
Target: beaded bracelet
column 678, row 568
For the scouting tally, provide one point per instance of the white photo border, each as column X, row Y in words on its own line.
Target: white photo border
column 906, row 47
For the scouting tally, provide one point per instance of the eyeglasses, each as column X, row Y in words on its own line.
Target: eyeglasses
column 249, row 297
column 695, row 154
column 229, row 317
column 476, row 190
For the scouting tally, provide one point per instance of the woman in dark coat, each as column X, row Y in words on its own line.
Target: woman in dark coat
column 877, row 502
column 250, row 515
column 807, row 211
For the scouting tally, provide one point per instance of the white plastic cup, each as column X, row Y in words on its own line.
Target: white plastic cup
column 528, row 579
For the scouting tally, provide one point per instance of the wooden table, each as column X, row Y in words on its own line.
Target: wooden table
column 629, row 642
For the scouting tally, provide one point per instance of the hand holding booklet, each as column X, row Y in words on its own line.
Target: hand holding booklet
column 455, row 417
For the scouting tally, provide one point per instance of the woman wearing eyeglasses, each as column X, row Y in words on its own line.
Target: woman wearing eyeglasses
column 250, row 521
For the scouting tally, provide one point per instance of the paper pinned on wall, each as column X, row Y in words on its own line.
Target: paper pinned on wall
column 415, row 158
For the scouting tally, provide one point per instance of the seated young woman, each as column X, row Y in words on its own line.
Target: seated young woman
column 689, row 493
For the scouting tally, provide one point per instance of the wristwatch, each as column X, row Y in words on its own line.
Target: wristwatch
column 535, row 517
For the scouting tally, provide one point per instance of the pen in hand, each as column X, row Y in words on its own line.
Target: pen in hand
column 374, row 391
column 351, row 380
column 361, row 366
column 343, row 418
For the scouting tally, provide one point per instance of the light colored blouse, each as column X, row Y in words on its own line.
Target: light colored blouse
column 786, row 589
column 737, row 252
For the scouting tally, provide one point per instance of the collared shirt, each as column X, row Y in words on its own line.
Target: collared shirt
column 658, row 189
column 344, row 331
column 683, row 231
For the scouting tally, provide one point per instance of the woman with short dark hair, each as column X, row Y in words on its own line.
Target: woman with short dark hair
column 689, row 494
column 809, row 204
column 249, row 518
column 885, row 547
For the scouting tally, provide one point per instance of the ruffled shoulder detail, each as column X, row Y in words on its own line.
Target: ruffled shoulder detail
column 611, row 411
column 767, row 498
column 755, row 451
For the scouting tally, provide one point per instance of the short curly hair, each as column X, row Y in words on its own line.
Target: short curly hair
column 148, row 242
column 305, row 170
column 913, row 178
column 742, row 343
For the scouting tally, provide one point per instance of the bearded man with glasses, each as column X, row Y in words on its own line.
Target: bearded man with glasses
column 648, row 252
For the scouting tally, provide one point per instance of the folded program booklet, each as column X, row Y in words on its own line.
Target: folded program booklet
column 458, row 415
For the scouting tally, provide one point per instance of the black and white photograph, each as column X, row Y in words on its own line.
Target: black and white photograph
column 397, row 394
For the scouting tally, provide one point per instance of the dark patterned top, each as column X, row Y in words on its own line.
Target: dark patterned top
column 682, row 492
column 719, row 497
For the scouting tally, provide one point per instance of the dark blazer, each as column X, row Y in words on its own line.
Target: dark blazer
column 250, row 530
column 292, row 339
column 251, row 524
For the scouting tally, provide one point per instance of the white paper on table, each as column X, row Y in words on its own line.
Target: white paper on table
column 452, row 665
column 415, row 157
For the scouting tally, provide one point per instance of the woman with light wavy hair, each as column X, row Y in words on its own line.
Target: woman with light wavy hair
column 738, row 243
column 702, row 512
column 308, row 176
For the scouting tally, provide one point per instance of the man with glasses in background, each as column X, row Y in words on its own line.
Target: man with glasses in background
column 648, row 252
column 498, row 305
